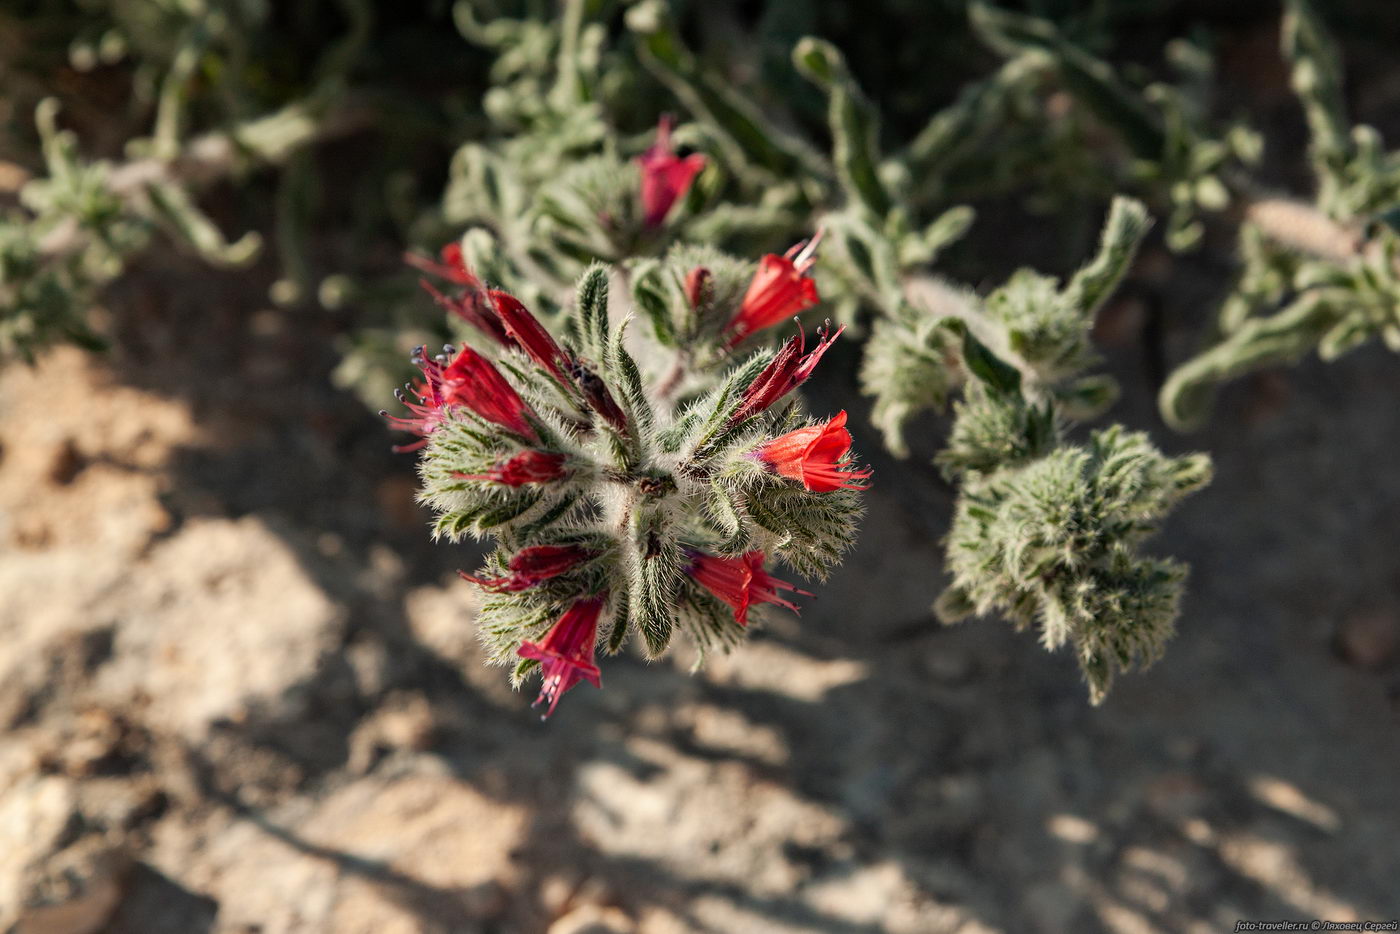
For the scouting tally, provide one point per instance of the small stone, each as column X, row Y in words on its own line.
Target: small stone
column 12, row 177
column 32, row 533
column 76, row 891
column 1369, row 639
column 65, row 463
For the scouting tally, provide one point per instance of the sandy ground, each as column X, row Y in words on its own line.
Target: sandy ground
column 239, row 690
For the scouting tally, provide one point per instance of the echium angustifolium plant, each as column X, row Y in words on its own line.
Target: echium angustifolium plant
column 634, row 483
column 1018, row 357
column 1045, row 532
column 550, row 183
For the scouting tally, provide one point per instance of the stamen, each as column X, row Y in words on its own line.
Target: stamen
column 807, row 252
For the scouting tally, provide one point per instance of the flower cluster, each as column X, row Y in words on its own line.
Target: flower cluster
column 618, row 508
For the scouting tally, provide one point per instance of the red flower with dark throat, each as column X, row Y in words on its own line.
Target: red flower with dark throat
column 566, row 654
column 816, row 456
column 665, row 176
column 525, row 467
column 532, row 565
column 791, row 367
column 780, row 289
column 740, row 582
column 472, row 381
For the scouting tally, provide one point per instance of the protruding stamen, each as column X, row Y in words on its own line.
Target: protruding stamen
column 807, row 251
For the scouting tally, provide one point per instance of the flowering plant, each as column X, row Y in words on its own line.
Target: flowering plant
column 640, row 478
column 630, row 487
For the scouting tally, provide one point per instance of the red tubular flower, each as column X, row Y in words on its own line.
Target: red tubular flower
column 525, row 467
column 526, row 332
column 530, row 566
column 740, row 582
column 817, row 456
column 791, row 367
column 453, row 267
column 665, row 176
column 472, row 381
column 498, row 314
column 566, row 654
column 427, row 413
column 475, row 305
column 780, row 289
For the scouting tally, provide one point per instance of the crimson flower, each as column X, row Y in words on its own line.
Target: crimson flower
column 527, row 333
column 472, row 381
column 453, row 267
column 665, row 176
column 525, row 467
column 499, row 314
column 780, row 289
column 817, row 456
column 530, row 566
column 740, row 582
column 475, row 304
column 566, row 654
column 427, row 413
column 469, row 380
column 791, row 367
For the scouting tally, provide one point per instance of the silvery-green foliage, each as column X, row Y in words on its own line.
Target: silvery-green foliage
column 912, row 364
column 660, row 290
column 1020, row 354
column 1170, row 148
column 1316, row 274
column 76, row 228
column 993, row 428
column 80, row 223
column 1045, row 531
column 1323, row 276
column 1051, row 541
